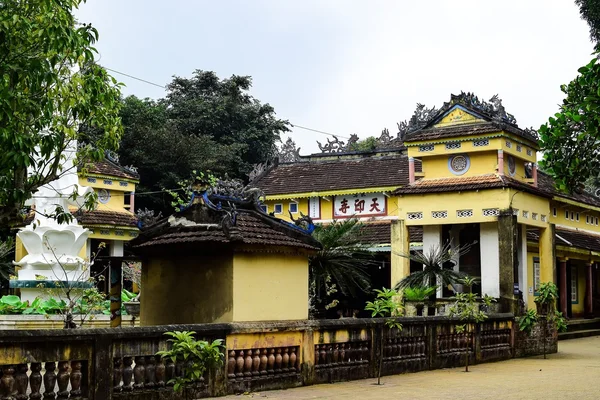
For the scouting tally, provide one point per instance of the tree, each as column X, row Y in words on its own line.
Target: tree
column 590, row 12
column 367, row 144
column 434, row 272
column 49, row 85
column 342, row 264
column 204, row 123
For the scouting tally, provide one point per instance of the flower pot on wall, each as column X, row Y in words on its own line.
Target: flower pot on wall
column 543, row 308
column 132, row 308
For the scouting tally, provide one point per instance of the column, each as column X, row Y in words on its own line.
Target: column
column 411, row 169
column 508, row 258
column 432, row 238
column 547, row 259
column 562, row 290
column 490, row 259
column 589, row 304
column 501, row 162
column 523, row 266
column 400, row 241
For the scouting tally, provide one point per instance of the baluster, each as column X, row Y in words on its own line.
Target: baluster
column 117, row 375
column 127, row 374
column 160, row 372
column 256, row 363
column 293, row 360
column 323, row 355
column 263, row 362
column 343, row 353
column 21, row 381
column 63, row 380
column 231, row 365
column 35, row 381
column 239, row 366
column 278, row 360
column 49, row 380
column 365, row 353
column 150, row 380
column 317, row 356
column 349, row 353
column 271, row 362
column 248, row 364
column 335, row 355
column 395, row 349
column 387, row 348
column 179, row 370
column 138, row 372
column 7, row 382
column 169, row 371
column 76, row 376
column 329, row 350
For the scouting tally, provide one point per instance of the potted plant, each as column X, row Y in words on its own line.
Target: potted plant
column 131, row 302
column 419, row 295
column 547, row 294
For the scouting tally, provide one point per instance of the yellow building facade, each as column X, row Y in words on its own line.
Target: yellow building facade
column 467, row 174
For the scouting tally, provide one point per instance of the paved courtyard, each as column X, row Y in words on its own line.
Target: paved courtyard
column 572, row 373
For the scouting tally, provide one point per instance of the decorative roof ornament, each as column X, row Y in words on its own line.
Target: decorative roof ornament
column 384, row 139
column 112, row 156
column 419, row 119
column 493, row 108
column 289, row 152
column 257, row 171
column 337, row 146
column 533, row 133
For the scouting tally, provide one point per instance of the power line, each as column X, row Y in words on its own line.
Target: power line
column 164, row 87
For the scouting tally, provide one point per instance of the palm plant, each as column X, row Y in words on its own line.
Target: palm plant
column 342, row 265
column 434, row 273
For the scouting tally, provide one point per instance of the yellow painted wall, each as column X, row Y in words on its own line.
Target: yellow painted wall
column 302, row 207
column 99, row 184
column 239, row 341
column 187, row 290
column 97, row 233
column 269, row 286
column 579, row 307
column 519, row 170
column 581, row 224
column 481, row 163
column 530, row 280
column 531, row 204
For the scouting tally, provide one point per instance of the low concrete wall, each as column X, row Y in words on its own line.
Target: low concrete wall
column 120, row 363
column 12, row 322
column 532, row 344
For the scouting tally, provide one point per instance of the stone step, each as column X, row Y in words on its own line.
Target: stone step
column 578, row 334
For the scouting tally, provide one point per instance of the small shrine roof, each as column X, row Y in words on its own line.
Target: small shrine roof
column 340, row 174
column 224, row 220
column 546, row 183
column 106, row 217
column 479, row 182
column 110, row 166
column 472, row 129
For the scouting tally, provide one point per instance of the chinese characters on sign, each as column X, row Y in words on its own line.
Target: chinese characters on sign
column 366, row 204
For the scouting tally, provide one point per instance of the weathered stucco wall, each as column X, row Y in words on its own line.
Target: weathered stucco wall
column 187, row 290
column 270, row 286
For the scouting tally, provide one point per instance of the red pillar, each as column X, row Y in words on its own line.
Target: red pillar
column 411, row 170
column 500, row 162
column 534, row 174
column 589, row 308
column 562, row 290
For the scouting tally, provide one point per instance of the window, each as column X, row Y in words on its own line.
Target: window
column 572, row 216
column 294, row 208
column 278, row 208
column 536, row 274
column 264, row 208
column 103, row 196
column 574, row 293
column 554, row 212
column 566, row 214
column 587, row 219
column 596, row 223
column 577, row 217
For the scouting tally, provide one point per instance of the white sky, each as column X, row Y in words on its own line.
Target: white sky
column 347, row 66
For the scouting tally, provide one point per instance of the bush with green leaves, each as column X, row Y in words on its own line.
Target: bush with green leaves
column 419, row 293
column 197, row 356
column 560, row 322
column 385, row 306
column 527, row 321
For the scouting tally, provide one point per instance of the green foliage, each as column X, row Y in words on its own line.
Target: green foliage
column 590, row 12
column 434, row 271
column 559, row 321
column 368, row 144
column 204, row 123
column 198, row 356
column 385, row 305
column 547, row 293
column 419, row 293
column 198, row 181
column 466, row 306
column 571, row 138
column 527, row 321
column 342, row 264
column 49, row 85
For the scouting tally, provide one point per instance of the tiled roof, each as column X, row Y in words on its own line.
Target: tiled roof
column 350, row 173
column 477, row 128
column 381, row 233
column 109, row 168
column 468, row 183
column 571, row 238
column 105, row 217
column 198, row 226
column 546, row 183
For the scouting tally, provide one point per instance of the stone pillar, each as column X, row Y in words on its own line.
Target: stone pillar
column 562, row 290
column 534, row 174
column 589, row 304
column 501, row 162
column 508, row 258
column 490, row 259
column 400, row 241
column 411, row 169
column 523, row 266
column 432, row 238
column 547, row 258
column 132, row 202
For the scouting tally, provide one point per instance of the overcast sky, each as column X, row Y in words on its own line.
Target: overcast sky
column 351, row 66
